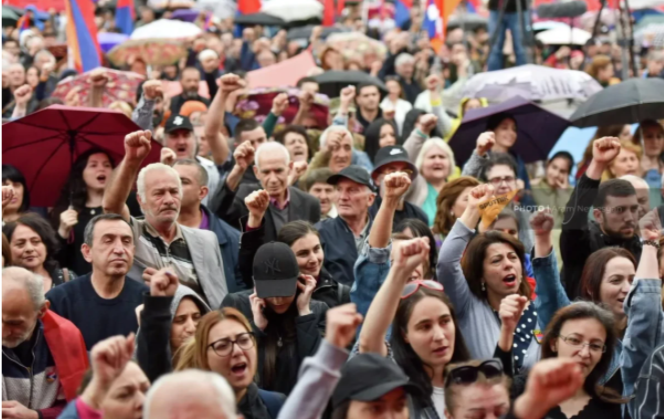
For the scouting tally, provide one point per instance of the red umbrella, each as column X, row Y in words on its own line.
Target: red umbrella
column 45, row 144
column 121, row 85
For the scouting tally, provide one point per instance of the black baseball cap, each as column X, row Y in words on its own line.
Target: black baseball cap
column 368, row 377
column 275, row 271
column 357, row 174
column 392, row 154
column 177, row 122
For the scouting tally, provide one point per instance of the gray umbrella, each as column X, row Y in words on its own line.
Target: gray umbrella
column 629, row 102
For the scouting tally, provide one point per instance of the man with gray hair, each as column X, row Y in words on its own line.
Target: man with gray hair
column 273, row 167
column 642, row 193
column 190, row 394
column 161, row 242
column 405, row 68
column 38, row 349
column 102, row 303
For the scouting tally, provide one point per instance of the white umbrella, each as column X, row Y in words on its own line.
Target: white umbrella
column 564, row 36
column 645, row 4
column 546, row 25
column 650, row 36
column 166, row 29
column 532, row 82
column 294, row 10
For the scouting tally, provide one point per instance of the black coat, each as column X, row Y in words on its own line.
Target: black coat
column 230, row 207
column 309, row 330
column 327, row 290
column 580, row 237
column 339, row 247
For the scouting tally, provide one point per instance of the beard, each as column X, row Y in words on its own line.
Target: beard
column 190, row 94
column 13, row 343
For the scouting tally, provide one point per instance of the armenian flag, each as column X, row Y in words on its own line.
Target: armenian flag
column 82, row 35
column 402, row 11
column 23, row 23
column 436, row 15
column 125, row 16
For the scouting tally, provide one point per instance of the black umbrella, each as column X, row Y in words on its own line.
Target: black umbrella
column 304, row 32
column 331, row 82
column 469, row 22
column 629, row 102
column 260, row 18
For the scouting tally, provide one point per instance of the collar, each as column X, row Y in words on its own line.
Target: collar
column 274, row 201
column 154, row 233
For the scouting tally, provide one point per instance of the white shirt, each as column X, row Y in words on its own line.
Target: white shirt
column 213, row 177
column 401, row 108
column 438, row 399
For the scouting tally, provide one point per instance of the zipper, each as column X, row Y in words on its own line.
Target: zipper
column 32, row 369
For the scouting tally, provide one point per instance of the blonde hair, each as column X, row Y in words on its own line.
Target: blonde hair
column 441, row 144
column 121, row 106
column 624, row 145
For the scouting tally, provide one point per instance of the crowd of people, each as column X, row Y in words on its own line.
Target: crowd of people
column 286, row 266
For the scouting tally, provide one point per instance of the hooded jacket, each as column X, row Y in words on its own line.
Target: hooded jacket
column 457, row 121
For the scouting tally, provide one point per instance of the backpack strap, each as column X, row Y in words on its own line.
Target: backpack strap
column 272, row 402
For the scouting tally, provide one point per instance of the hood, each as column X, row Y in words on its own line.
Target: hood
column 465, row 100
column 184, row 291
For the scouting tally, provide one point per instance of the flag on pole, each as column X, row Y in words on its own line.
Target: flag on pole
column 125, row 16
column 436, row 15
column 245, row 7
column 402, row 11
column 328, row 13
column 82, row 35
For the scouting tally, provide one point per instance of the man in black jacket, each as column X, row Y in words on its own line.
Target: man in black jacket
column 189, row 79
column 615, row 211
column 273, row 167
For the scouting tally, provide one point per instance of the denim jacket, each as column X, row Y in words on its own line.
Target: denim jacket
column 643, row 307
column 370, row 271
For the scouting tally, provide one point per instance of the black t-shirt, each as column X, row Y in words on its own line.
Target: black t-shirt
column 97, row 318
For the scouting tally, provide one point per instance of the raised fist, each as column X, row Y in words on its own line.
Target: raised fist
column 485, row 142
column 137, row 145
column 244, row 155
column 152, row 89
column 606, row 149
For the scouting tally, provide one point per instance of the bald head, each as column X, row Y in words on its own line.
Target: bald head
column 190, row 394
column 642, row 193
column 23, row 304
column 15, row 278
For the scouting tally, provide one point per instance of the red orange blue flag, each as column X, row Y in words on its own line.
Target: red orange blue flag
column 436, row 15
column 82, row 35
column 125, row 16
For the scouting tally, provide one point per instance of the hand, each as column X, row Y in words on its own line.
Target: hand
column 279, row 104
column 510, row 311
column 347, row 96
column 7, row 195
column 334, row 139
column 520, row 185
column 306, row 284
column 562, row 183
column 485, row 143
column 478, row 194
column 163, row 283
column 14, row 409
column 542, row 222
column 605, row 149
column 316, row 32
column 409, row 254
column 257, row 307
column 306, row 99
column 650, row 226
column 244, row 155
column 563, row 52
column 46, row 70
column 257, row 203
column 341, row 325
column 73, row 98
column 109, row 358
column 168, row 156
column 550, row 382
column 299, row 168
column 137, row 145
column 389, row 112
column 68, row 219
column 396, row 185
column 98, row 78
column 229, row 83
column 152, row 89
column 428, row 123
column 22, row 95
column 376, row 66
column 433, row 82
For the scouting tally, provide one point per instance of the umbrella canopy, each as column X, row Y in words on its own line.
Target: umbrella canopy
column 357, row 46
column 260, row 18
column 564, row 36
column 470, row 22
column 631, row 101
column 167, row 29
column 122, row 85
column 643, row 23
column 283, row 74
column 108, row 40
column 546, row 25
column 650, row 36
column 304, row 32
column 187, row 15
column 44, row 144
column 258, row 103
column 331, row 82
column 152, row 51
column 538, row 129
column 294, row 10
column 532, row 82
column 9, row 17
column 223, row 9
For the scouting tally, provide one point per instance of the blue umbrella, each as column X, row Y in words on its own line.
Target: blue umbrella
column 538, row 129
column 108, row 40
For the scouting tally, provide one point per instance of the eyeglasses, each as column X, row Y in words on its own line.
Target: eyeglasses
column 224, row 347
column 412, row 287
column 578, row 343
column 468, row 374
column 498, row 180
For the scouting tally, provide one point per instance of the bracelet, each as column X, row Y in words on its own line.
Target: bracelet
column 650, row 243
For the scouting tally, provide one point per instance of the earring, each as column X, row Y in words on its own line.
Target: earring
column 483, row 287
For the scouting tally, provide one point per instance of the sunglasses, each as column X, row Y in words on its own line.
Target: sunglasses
column 412, row 287
column 468, row 374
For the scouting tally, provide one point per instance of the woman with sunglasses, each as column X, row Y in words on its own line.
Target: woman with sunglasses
column 426, row 334
column 636, row 307
column 477, row 276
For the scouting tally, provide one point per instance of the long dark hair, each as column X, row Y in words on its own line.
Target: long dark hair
column 39, row 225
column 410, row 122
column 404, row 354
column 75, row 191
column 420, row 229
column 279, row 326
column 586, row 310
column 594, row 268
column 372, row 136
column 12, row 174
column 295, row 230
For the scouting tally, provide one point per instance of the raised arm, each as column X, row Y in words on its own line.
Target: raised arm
column 252, row 239
column 407, row 256
column 137, row 147
column 229, row 83
column 142, row 115
column 396, row 186
column 98, row 80
column 510, row 311
column 475, row 164
column 420, row 134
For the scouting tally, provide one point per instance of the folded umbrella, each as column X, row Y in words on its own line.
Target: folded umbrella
column 629, row 102
column 121, row 85
column 532, row 82
column 45, row 144
column 331, row 82
column 538, row 130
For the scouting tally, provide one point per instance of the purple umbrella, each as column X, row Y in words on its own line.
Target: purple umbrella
column 107, row 40
column 538, row 130
column 187, row 15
